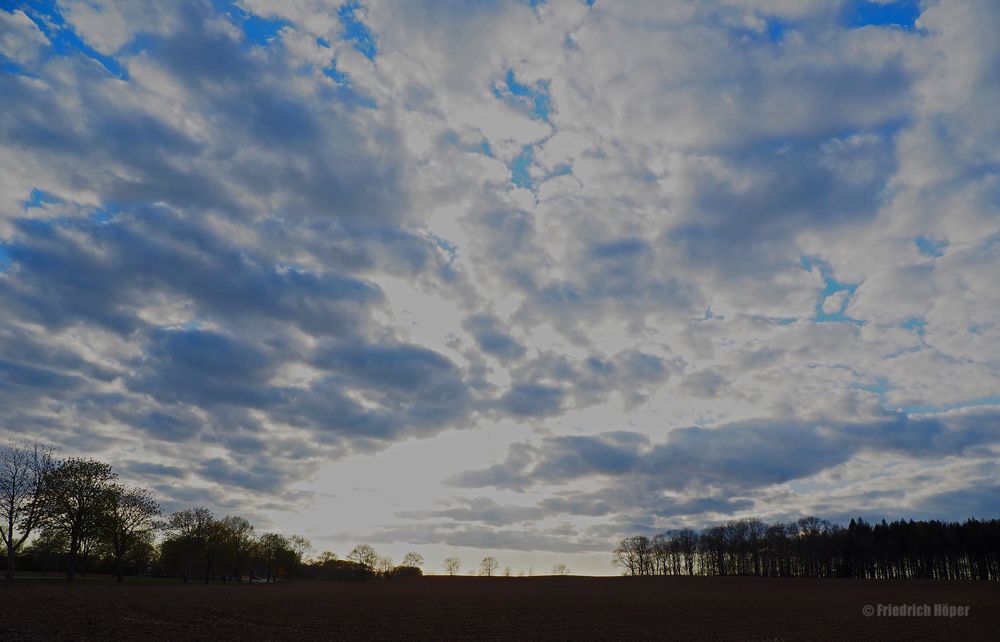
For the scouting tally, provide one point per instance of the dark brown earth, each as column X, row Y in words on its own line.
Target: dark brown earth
column 567, row 608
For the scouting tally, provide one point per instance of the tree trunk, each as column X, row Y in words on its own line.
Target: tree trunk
column 71, row 567
column 10, row 563
column 9, row 541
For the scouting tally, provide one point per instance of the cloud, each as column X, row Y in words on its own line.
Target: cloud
column 491, row 337
column 486, row 538
column 708, row 469
column 479, row 509
column 641, row 263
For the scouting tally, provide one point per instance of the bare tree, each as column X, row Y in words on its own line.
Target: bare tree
column 488, row 566
column 364, row 555
column 560, row 569
column 383, row 565
column 452, row 565
column 634, row 555
column 506, row 571
column 76, row 494
column 131, row 513
column 22, row 473
column 416, row 560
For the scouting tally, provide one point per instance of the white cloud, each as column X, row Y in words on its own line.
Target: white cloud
column 282, row 278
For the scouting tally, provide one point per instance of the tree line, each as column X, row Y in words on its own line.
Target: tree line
column 61, row 513
column 73, row 515
column 814, row 547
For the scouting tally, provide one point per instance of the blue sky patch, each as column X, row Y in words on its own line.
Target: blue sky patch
column 915, row 324
column 344, row 91
column 38, row 198
column 519, row 168
column 930, row 247
column 773, row 32
column 902, row 14
column 776, row 29
column 879, row 386
column 260, row 31
column 356, row 31
column 830, row 288
column 105, row 215
column 63, row 39
column 338, row 76
column 257, row 31
column 992, row 400
column 10, row 67
column 533, row 100
column 560, row 170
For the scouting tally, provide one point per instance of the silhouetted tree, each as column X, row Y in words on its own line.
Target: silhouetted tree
column 364, row 555
column 813, row 547
column 22, row 473
column 275, row 550
column 415, row 560
column 237, row 534
column 188, row 541
column 48, row 550
column 452, row 565
column 298, row 549
column 634, row 555
column 130, row 514
column 560, row 569
column 488, row 566
column 76, row 494
column 383, row 565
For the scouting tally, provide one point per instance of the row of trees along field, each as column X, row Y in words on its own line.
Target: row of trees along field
column 813, row 547
column 73, row 515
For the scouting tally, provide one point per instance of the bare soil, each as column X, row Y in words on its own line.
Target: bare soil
column 566, row 608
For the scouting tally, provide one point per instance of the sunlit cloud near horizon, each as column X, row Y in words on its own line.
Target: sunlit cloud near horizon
column 507, row 278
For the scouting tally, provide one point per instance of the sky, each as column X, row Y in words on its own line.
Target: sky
column 507, row 278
